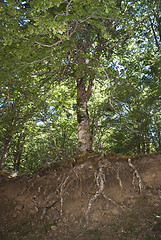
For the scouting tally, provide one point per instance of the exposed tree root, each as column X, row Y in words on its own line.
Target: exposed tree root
column 61, row 194
column 75, row 179
column 119, row 179
column 34, row 199
column 83, row 201
column 48, row 207
column 100, row 181
column 136, row 175
column 64, row 187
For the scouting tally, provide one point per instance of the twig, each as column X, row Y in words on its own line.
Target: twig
column 67, row 13
column 154, row 34
column 84, row 20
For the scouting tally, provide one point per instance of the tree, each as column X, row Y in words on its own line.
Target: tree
column 19, row 102
column 67, row 42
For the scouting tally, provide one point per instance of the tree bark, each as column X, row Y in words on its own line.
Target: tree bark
column 143, row 143
column 138, row 142
column 159, row 139
column 18, row 152
column 5, row 150
column 84, row 135
column 17, row 160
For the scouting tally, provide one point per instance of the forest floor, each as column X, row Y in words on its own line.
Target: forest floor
column 93, row 197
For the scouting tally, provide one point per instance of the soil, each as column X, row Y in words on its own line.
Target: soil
column 92, row 197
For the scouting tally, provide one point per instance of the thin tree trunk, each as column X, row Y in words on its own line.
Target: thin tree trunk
column 17, row 160
column 147, row 143
column 18, row 153
column 159, row 140
column 143, row 143
column 19, row 147
column 138, row 147
column 138, row 143
column 5, row 150
column 84, row 135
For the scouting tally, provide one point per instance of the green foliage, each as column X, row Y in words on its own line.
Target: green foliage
column 47, row 46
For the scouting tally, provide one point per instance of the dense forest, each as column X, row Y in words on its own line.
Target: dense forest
column 78, row 76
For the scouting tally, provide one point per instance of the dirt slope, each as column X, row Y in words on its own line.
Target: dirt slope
column 95, row 197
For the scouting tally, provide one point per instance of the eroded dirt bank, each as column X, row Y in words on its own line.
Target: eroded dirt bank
column 98, row 197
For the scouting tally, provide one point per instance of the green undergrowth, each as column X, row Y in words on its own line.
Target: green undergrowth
column 93, row 157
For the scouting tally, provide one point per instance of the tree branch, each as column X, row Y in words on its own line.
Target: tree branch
column 122, row 40
column 49, row 46
column 155, row 37
column 89, row 90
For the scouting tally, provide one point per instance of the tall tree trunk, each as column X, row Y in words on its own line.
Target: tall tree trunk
column 17, row 160
column 5, row 150
column 17, row 154
column 19, row 148
column 138, row 143
column 143, row 143
column 159, row 139
column 84, row 135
